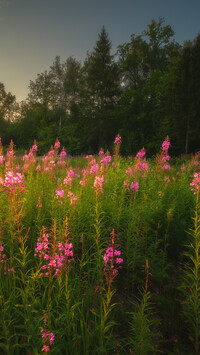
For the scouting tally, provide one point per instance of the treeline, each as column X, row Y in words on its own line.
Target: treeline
column 149, row 89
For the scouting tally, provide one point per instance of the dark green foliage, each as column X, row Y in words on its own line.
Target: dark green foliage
column 150, row 90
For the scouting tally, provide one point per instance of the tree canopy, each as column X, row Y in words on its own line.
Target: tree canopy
column 149, row 89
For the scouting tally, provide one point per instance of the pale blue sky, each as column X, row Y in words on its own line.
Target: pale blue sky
column 34, row 32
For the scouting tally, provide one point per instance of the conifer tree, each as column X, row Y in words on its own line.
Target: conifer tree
column 102, row 89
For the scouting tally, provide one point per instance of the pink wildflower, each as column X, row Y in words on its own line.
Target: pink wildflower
column 71, row 173
column 166, row 167
column 101, row 152
column 45, row 348
column 57, row 144
column 134, row 186
column 68, row 181
column 112, row 261
column 1, row 159
column 60, row 193
column 118, row 139
column 165, row 145
column 47, row 336
column 34, row 148
column 195, row 183
column 38, row 167
column 98, row 183
column 63, row 154
column 94, row 169
column 89, row 156
column 140, row 154
column 2, row 256
column 73, row 198
column 106, row 159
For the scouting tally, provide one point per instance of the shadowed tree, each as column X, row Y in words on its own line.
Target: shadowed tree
column 102, row 90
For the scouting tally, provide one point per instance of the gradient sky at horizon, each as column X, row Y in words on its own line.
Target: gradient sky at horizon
column 34, row 32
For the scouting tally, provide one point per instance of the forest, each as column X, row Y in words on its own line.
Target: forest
column 148, row 89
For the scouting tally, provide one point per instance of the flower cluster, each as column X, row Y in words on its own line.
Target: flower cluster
column 101, row 152
column 94, row 169
column 42, row 248
column 60, row 193
column 47, row 337
column 112, row 261
column 69, row 178
column 140, row 163
column 132, row 186
column 1, row 159
column 73, row 198
column 2, row 255
column 98, row 183
column 164, row 154
column 195, row 183
column 57, row 144
column 55, row 256
column 13, row 179
column 118, row 139
column 106, row 159
column 63, row 156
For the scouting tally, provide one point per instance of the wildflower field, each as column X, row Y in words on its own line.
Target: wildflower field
column 99, row 254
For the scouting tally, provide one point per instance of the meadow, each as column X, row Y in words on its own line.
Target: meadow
column 99, row 254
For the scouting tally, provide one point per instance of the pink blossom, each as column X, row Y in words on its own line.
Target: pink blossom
column 129, row 171
column 12, row 179
column 140, row 154
column 118, row 139
column 38, row 167
column 89, row 156
column 101, row 152
column 68, row 181
column 60, row 193
column 73, row 198
column 47, row 336
column 63, row 154
column 51, row 152
column 57, row 144
column 71, row 173
column 106, row 159
column 61, row 162
column 34, row 148
column 111, row 262
column 1, row 159
column 166, row 167
column 45, row 348
column 119, row 260
column 165, row 158
column 195, row 183
column 56, row 257
column 94, row 169
column 134, row 186
column 2, row 256
column 98, row 183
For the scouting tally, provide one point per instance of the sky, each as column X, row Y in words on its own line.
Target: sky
column 34, row 32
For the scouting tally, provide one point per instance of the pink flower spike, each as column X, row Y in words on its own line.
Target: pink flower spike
column 45, row 348
column 118, row 139
column 57, row 144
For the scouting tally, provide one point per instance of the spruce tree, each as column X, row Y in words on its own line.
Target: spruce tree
column 102, row 86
